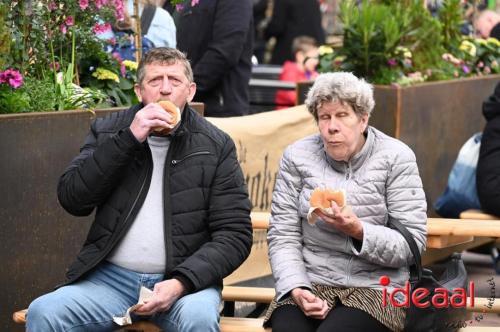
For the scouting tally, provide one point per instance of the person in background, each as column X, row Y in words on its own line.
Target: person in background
column 217, row 37
column 260, row 21
column 302, row 69
column 487, row 24
column 161, row 31
column 290, row 19
column 327, row 273
column 488, row 166
column 171, row 213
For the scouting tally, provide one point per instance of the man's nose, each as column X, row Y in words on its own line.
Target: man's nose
column 166, row 87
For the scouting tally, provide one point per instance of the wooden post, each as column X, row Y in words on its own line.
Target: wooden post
column 138, row 32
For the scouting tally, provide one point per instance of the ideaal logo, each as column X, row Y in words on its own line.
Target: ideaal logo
column 440, row 299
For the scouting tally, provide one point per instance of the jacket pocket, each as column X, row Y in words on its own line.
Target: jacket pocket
column 176, row 162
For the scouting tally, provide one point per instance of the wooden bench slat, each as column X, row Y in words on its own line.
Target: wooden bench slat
column 477, row 214
column 443, row 241
column 248, row 294
column 470, row 227
column 237, row 324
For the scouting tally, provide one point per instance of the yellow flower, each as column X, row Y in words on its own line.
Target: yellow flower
column 324, row 50
column 405, row 51
column 493, row 41
column 130, row 64
column 481, row 41
column 104, row 74
column 468, row 47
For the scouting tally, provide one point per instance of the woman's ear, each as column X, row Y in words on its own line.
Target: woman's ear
column 364, row 122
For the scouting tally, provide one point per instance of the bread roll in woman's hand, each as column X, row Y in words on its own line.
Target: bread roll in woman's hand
column 322, row 199
column 174, row 111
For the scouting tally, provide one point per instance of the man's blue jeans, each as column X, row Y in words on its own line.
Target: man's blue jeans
column 91, row 303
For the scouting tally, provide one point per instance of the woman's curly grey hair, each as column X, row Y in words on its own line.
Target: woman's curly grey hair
column 342, row 87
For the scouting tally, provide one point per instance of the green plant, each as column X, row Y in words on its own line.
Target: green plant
column 375, row 29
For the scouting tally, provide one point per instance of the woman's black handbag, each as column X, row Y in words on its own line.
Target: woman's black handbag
column 431, row 319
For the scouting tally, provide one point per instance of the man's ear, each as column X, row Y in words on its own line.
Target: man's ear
column 137, row 90
column 192, row 91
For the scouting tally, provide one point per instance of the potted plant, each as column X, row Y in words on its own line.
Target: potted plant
column 429, row 80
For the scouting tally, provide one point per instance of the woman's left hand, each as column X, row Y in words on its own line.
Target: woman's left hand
column 343, row 220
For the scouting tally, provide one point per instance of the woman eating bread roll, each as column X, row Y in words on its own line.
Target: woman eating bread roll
column 329, row 250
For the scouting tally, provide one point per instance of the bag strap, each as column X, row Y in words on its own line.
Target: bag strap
column 147, row 17
column 416, row 268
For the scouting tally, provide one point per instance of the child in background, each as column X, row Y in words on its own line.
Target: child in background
column 303, row 69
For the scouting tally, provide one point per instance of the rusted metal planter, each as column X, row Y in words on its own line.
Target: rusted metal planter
column 35, row 150
column 434, row 119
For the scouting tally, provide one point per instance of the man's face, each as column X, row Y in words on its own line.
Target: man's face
column 165, row 82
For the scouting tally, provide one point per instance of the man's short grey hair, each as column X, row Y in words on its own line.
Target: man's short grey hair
column 164, row 56
column 341, row 87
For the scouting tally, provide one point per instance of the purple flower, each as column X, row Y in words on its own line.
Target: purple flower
column 52, row 6
column 179, row 7
column 83, row 4
column 466, row 69
column 12, row 77
column 392, row 62
column 70, row 21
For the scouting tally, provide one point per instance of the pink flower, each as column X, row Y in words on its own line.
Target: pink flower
column 52, row 6
column 117, row 56
column 194, row 2
column 63, row 28
column 101, row 28
column 392, row 62
column 55, row 66
column 179, row 7
column 12, row 77
column 100, row 3
column 123, row 70
column 119, row 10
column 84, row 4
column 70, row 21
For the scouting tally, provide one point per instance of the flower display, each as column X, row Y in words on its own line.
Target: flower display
column 381, row 43
column 11, row 77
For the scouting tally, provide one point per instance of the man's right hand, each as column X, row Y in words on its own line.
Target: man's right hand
column 147, row 119
column 311, row 305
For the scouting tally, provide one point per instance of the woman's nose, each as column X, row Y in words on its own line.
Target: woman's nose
column 333, row 125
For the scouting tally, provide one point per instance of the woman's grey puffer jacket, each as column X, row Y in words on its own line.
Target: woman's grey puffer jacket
column 381, row 183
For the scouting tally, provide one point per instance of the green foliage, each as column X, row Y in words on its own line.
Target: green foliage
column 450, row 15
column 4, row 36
column 41, row 93
column 375, row 29
column 13, row 100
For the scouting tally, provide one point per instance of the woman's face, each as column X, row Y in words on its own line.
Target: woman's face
column 341, row 130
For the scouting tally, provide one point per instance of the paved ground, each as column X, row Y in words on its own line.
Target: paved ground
column 480, row 270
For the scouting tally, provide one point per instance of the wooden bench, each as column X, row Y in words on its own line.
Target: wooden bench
column 266, row 295
column 257, row 265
